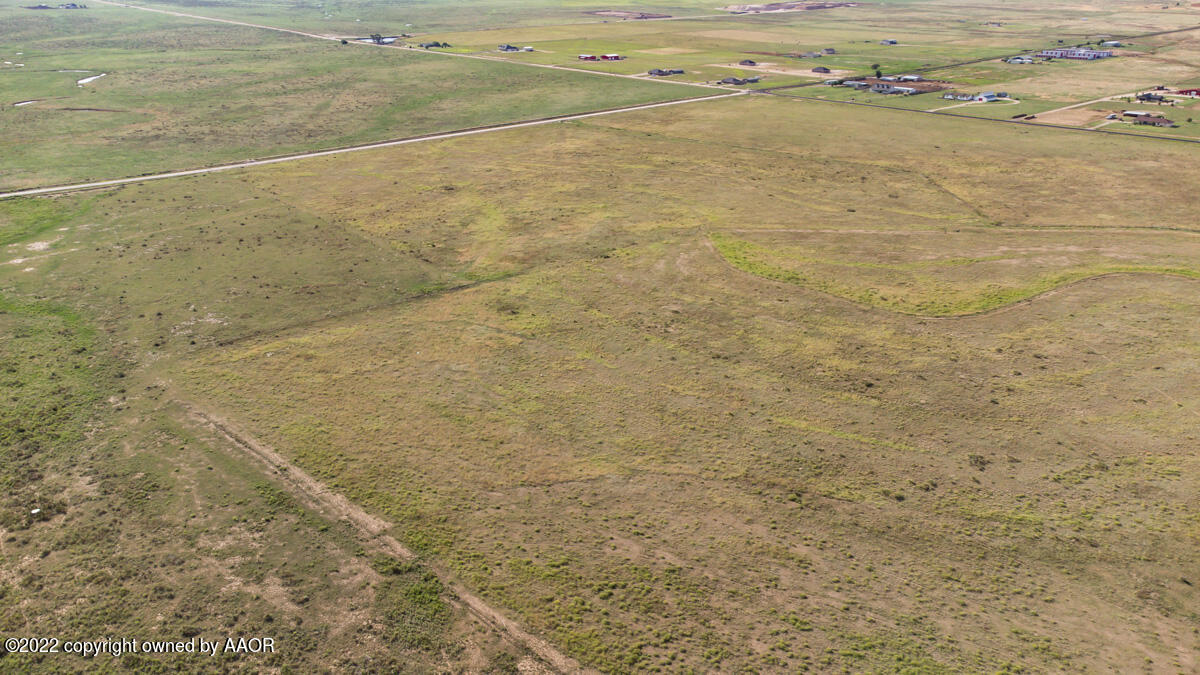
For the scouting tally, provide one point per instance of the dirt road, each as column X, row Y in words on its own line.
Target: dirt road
column 477, row 56
column 373, row 530
column 355, row 148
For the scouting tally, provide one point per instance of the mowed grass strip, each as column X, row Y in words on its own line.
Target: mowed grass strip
column 954, row 286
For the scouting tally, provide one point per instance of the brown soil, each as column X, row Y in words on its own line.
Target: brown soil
column 91, row 110
column 1074, row 116
column 314, row 494
column 623, row 14
column 787, row 6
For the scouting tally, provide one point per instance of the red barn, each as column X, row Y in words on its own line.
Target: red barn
column 611, row 57
column 1190, row 92
column 588, row 57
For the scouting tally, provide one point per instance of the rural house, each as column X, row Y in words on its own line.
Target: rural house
column 889, row 88
column 1074, row 53
column 821, row 69
column 1155, row 121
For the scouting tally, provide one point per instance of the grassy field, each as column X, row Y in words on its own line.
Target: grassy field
column 537, row 382
column 362, row 17
column 179, row 94
column 121, row 519
column 761, row 384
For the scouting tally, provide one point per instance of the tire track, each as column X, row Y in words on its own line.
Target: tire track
column 316, row 495
column 470, row 131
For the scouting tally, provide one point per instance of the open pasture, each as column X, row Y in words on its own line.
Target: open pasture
column 179, row 94
column 363, row 17
column 633, row 411
column 703, row 47
column 760, row 384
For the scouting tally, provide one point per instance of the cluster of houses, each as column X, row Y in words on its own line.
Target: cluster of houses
column 740, row 80
column 1077, row 53
column 663, row 72
column 602, row 57
column 68, row 5
column 511, row 48
column 888, row 84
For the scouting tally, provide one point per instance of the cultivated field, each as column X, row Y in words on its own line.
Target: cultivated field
column 760, row 384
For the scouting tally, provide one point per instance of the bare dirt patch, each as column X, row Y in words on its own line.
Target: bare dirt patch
column 744, row 35
column 787, row 6
column 668, row 51
column 1074, row 116
column 764, row 67
column 313, row 493
column 626, row 14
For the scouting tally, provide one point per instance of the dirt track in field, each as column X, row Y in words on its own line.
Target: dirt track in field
column 316, row 495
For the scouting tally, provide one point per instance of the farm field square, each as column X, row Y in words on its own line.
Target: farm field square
column 772, row 381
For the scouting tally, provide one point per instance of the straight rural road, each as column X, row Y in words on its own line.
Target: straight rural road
column 336, row 38
column 33, row 192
